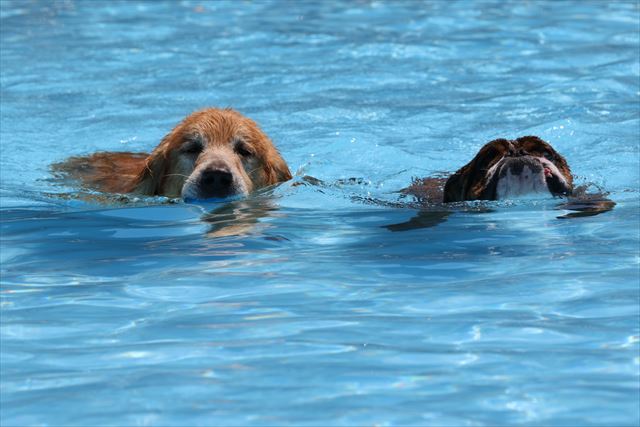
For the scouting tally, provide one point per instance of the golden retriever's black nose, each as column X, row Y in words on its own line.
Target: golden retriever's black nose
column 216, row 183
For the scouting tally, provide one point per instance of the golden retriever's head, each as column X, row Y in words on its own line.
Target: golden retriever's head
column 213, row 153
column 504, row 169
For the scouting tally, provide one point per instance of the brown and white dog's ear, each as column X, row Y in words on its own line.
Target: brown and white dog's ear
column 536, row 144
column 469, row 182
column 454, row 188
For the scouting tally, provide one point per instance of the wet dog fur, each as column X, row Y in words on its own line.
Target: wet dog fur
column 212, row 153
column 501, row 169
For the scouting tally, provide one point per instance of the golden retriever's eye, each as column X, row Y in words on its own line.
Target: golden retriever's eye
column 191, row 147
column 243, row 150
column 547, row 155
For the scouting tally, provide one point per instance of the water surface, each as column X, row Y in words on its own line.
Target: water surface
column 301, row 305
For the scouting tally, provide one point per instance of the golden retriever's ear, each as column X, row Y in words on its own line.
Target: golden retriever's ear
column 276, row 170
column 150, row 178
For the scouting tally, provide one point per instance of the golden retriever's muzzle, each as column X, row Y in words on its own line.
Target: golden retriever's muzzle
column 216, row 179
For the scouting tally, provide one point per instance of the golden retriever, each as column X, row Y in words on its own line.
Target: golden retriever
column 212, row 153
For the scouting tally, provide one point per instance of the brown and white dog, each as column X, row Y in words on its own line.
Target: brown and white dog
column 502, row 169
column 212, row 153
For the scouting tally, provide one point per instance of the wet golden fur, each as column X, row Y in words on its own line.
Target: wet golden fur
column 226, row 140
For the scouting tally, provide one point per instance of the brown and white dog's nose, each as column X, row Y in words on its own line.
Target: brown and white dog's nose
column 216, row 182
column 515, row 165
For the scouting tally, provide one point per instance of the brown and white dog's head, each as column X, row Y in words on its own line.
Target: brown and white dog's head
column 504, row 169
column 213, row 153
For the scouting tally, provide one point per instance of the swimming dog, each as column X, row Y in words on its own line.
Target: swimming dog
column 502, row 169
column 212, row 153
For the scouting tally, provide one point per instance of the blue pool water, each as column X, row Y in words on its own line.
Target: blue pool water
column 304, row 305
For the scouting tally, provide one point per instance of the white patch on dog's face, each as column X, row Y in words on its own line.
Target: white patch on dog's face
column 527, row 182
column 524, row 175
